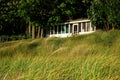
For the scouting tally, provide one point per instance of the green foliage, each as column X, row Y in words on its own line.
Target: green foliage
column 65, row 10
column 10, row 22
column 104, row 12
column 5, row 38
column 16, row 14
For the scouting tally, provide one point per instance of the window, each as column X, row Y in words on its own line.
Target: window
column 63, row 30
column 84, row 27
column 67, row 28
column 55, row 29
column 75, row 28
column 71, row 28
column 88, row 26
column 59, row 29
column 80, row 27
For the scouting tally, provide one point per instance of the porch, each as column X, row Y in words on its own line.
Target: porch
column 77, row 27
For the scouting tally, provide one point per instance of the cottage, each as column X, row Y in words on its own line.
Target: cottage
column 74, row 27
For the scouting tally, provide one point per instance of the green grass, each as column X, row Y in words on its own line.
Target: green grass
column 87, row 57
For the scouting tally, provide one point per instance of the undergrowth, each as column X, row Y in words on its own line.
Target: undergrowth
column 86, row 57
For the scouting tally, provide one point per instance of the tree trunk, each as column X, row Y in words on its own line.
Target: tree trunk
column 107, row 26
column 113, row 27
column 33, row 31
column 29, row 29
column 38, row 35
column 41, row 32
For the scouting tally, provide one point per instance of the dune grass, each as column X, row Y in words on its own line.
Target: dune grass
column 87, row 57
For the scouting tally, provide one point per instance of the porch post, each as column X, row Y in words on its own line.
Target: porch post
column 65, row 28
column 69, row 28
column 90, row 26
column 86, row 27
column 73, row 29
column 61, row 28
column 81, row 27
column 78, row 28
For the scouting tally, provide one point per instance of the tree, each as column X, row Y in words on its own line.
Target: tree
column 105, row 13
column 63, row 10
column 10, row 23
column 35, row 12
column 114, row 13
column 38, row 14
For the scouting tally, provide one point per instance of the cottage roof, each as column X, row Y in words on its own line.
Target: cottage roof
column 77, row 21
column 73, row 21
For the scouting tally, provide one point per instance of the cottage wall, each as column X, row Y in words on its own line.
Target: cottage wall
column 70, row 28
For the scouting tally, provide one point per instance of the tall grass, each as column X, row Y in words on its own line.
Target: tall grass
column 86, row 57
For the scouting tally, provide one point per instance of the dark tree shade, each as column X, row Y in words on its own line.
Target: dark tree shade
column 105, row 13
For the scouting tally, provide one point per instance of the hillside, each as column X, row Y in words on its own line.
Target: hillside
column 87, row 57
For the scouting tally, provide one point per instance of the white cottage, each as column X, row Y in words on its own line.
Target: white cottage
column 74, row 27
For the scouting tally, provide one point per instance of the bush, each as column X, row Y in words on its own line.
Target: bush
column 5, row 38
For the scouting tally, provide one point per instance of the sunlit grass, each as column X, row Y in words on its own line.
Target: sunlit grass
column 87, row 57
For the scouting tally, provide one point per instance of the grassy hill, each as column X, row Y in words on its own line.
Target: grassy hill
column 87, row 57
